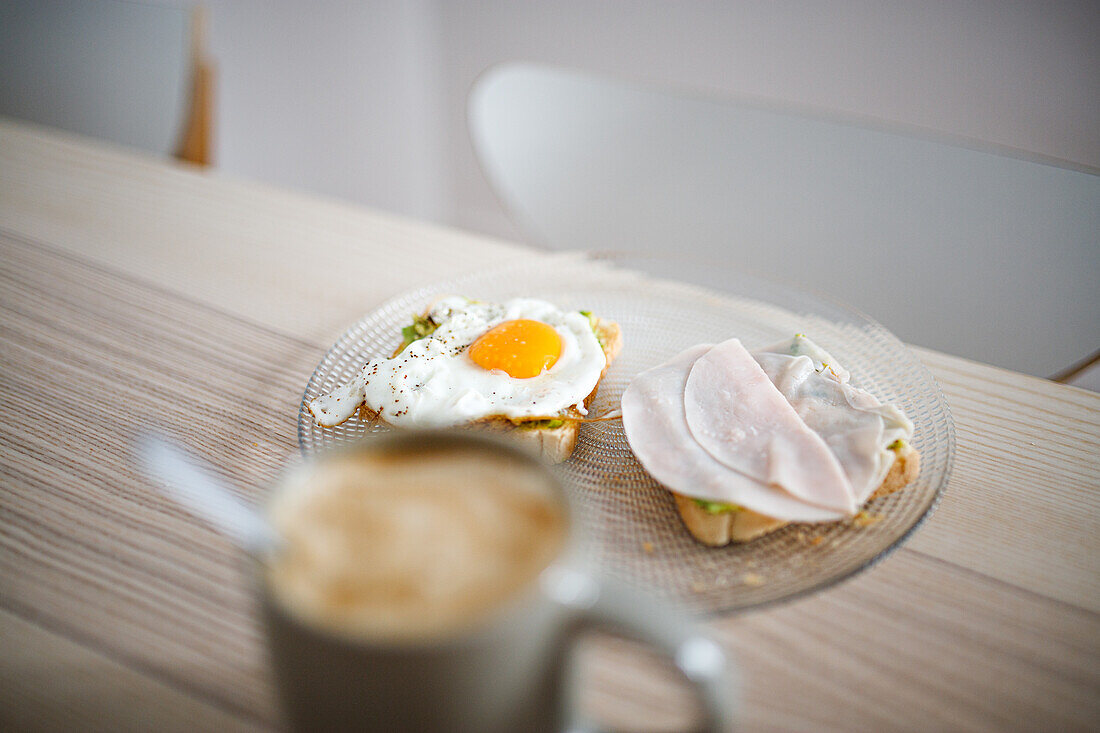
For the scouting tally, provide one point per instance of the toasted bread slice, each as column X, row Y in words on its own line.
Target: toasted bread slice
column 554, row 444
column 743, row 525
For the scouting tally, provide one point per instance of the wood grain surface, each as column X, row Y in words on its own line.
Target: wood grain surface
column 135, row 293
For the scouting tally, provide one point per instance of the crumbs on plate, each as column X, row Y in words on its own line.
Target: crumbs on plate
column 866, row 519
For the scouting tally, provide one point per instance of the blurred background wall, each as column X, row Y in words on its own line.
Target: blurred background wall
column 365, row 99
column 340, row 97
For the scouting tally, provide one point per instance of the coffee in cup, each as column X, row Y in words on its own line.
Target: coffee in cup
column 407, row 545
column 431, row 581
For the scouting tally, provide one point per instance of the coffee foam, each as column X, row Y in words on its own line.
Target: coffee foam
column 412, row 545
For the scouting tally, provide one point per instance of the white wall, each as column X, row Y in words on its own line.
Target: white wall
column 109, row 69
column 367, row 100
column 337, row 97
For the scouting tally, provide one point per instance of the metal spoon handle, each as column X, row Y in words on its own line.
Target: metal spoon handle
column 183, row 478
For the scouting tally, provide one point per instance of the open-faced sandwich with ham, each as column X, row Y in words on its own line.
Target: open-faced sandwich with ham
column 750, row 441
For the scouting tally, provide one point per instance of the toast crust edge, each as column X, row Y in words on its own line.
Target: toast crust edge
column 746, row 525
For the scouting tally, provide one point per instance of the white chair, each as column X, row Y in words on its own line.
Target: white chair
column 131, row 73
column 951, row 246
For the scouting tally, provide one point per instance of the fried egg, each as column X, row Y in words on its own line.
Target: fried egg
column 521, row 359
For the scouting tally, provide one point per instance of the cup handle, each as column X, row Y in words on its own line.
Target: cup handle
column 612, row 606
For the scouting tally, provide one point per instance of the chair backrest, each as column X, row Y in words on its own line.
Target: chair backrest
column 108, row 69
column 966, row 250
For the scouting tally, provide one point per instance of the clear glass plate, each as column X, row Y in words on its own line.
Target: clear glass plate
column 663, row 306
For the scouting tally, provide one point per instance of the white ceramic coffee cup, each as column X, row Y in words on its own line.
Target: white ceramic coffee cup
column 511, row 671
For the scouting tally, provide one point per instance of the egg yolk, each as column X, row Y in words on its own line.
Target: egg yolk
column 522, row 348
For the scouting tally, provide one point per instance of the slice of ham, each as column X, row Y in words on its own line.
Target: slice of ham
column 742, row 420
column 852, row 422
column 657, row 430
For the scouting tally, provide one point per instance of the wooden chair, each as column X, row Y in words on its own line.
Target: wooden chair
column 132, row 73
column 197, row 140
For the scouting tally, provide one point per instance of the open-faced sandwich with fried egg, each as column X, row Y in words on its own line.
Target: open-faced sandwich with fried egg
column 523, row 366
column 748, row 442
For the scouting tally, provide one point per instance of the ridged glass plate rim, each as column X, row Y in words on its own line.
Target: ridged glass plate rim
column 778, row 296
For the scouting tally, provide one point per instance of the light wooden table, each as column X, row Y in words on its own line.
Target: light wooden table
column 135, row 292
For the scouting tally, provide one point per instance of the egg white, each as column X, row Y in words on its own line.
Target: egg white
column 434, row 383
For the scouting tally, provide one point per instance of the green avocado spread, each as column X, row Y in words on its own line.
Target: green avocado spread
column 548, row 424
column 421, row 327
column 716, row 507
